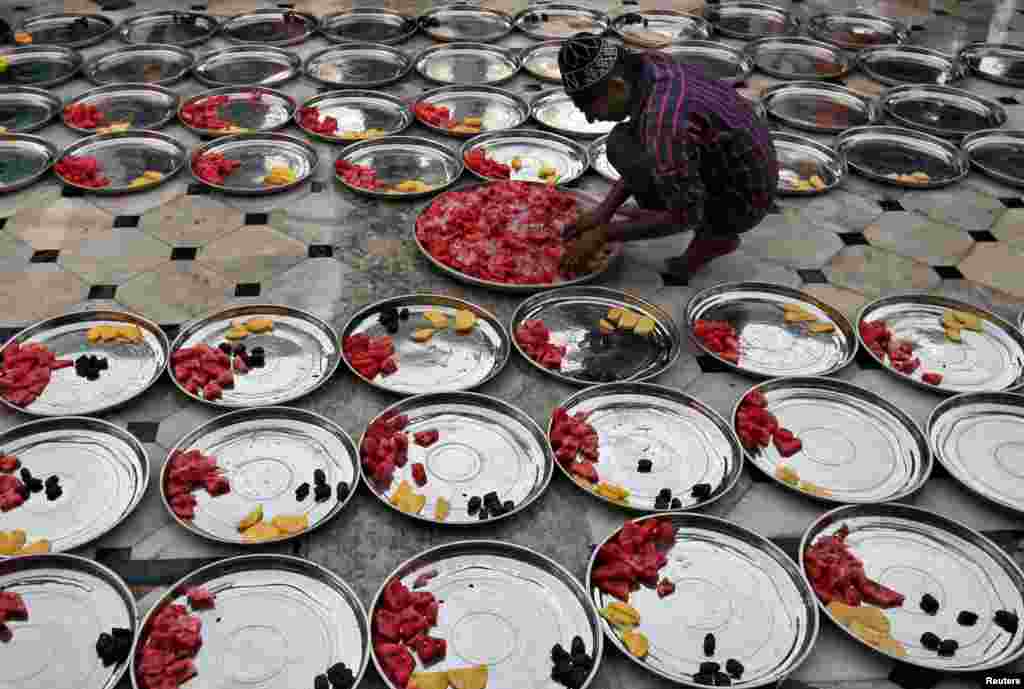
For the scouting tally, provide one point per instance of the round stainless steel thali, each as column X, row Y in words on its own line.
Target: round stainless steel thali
column 941, row 110
column 496, row 108
column 558, row 21
column 68, row 29
column 541, row 60
column 730, row 581
column 148, row 63
column 484, row 445
column 258, row 155
column 856, row 30
column 555, row 110
column 125, row 158
column 750, row 20
column 132, row 367
column 893, row 65
column 169, row 27
column 24, row 109
column 534, row 150
column 302, row 353
column 769, row 346
column 884, row 153
column 362, row 24
column 266, row 454
column 140, row 106
column 275, row 27
column 467, row 63
column 857, row 446
column 247, row 65
column 358, row 112
column 71, row 601
column 103, row 472
column 398, row 159
column 917, row 552
column 795, row 57
column 687, row 443
column 1001, row 63
column 41, row 66
column 998, row 153
column 24, row 159
column 465, row 22
column 817, row 107
column 357, row 65
column 801, row 158
column 716, row 60
column 988, row 361
column 283, row 619
column 599, row 160
column 250, row 109
column 659, row 28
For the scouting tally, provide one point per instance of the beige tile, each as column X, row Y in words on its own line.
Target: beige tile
column 997, row 265
column 176, row 291
column 252, row 254
column 847, row 301
column 38, row 291
column 1010, row 227
column 874, row 272
column 191, row 221
column 919, row 238
column 114, row 256
column 59, row 223
column 40, row 195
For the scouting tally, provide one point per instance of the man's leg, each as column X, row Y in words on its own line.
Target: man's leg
column 704, row 248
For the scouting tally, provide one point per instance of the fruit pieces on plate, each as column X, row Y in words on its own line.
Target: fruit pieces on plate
column 361, row 176
column 362, row 135
column 401, row 627
column 633, row 557
column 869, row 624
column 114, row 333
column 575, row 443
column 900, row 353
column 214, row 168
column 370, row 356
column 114, row 647
column 479, row 162
column 83, row 116
column 16, row 543
column 12, row 608
column 793, row 181
column 27, row 370
column 719, row 337
column 187, row 472
column 796, row 313
column 83, row 171
column 459, row 678
column 242, row 328
column 168, row 651
column 280, row 526
column 114, row 127
column 622, row 318
column 757, row 428
column 310, row 119
column 203, row 371
column 279, row 176
column 535, row 339
column 201, row 598
column 411, row 186
column 836, row 574
column 385, row 447
column 955, row 321
column 146, row 178
column 204, row 113
column 917, row 177
column 407, row 500
column 571, row 668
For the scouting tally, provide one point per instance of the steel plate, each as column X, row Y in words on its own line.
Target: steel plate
column 907, row 64
column 817, row 107
column 358, row 111
column 535, row 149
column 879, row 151
column 359, row 65
column 24, row 159
column 801, row 158
column 857, row 446
column 24, row 109
column 467, row 63
column 497, row 109
column 277, row 620
column 39, row 66
column 258, row 153
column 71, row 601
column 67, row 29
column 404, row 158
column 246, row 65
column 266, row 454
column 273, row 111
column 599, row 160
column 716, row 60
column 103, row 470
column 941, row 110
column 554, row 21
column 731, row 582
column 555, row 110
column 751, row 20
column 857, row 30
column 142, row 106
column 798, row 58
column 659, row 28
column 915, row 552
column 1001, row 63
column 998, row 153
column 769, row 347
column 132, row 367
column 465, row 22
column 368, row 24
column 270, row 27
column 169, row 27
column 125, row 156
column 687, row 443
column 541, row 61
column 989, row 361
column 149, row 63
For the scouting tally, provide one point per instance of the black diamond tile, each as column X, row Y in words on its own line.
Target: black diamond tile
column 671, row 280
column 21, row 8
column 3, row 223
column 890, row 205
column 1013, row 202
column 144, row 431
column 126, row 221
column 709, row 364
column 1008, row 100
column 316, row 187
column 983, row 236
column 71, row 192
column 321, row 251
column 247, row 289
column 917, row 27
column 812, row 276
column 941, row 13
column 102, row 291
column 948, row 272
column 45, row 256
column 853, row 238
column 198, row 8
column 195, row 189
column 184, row 253
column 866, row 361
column 171, row 330
column 256, row 218
column 286, row 5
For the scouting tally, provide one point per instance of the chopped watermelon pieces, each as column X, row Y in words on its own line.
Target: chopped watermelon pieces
column 719, row 337
column 385, row 447
column 200, row 598
column 214, row 168
column 189, row 471
column 836, row 574
column 419, row 474
column 439, row 116
column 84, row 116
column 12, row 607
column 167, row 654
column 931, row 378
column 426, row 438
column 26, row 371
column 203, row 113
column 81, row 170
column 361, row 176
column 479, row 162
column 535, row 339
column 204, row 369
column 370, row 356
column 633, row 557
column 310, row 119
column 758, row 428
column 401, row 626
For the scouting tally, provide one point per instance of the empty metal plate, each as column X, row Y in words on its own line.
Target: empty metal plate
column 247, row 66
column 560, row 21
column 730, row 582
column 368, row 24
column 541, row 61
column 398, row 159
column 360, row 65
column 555, row 110
column 125, row 157
column 686, row 442
column 484, row 444
column 988, row 361
column 817, row 107
column 941, row 110
column 39, row 66
column 301, row 352
column 169, row 27
column 70, row 30
column 252, row 109
column 909, row 64
column 750, row 20
column 465, row 22
column 715, row 60
column 139, row 106
column 534, row 151
column 793, row 57
column 659, row 28
column 801, row 159
column 71, row 601
column 1001, row 63
column 259, row 154
column 769, row 346
column 892, row 154
column 103, row 471
column 599, row 161
column 998, row 153
column 270, row 27
column 358, row 112
column 917, row 552
column 140, row 64
column 277, row 620
column 266, row 454
column 24, row 109
column 857, row 446
column 24, row 159
column 496, row 109
column 857, row 30
column 467, row 63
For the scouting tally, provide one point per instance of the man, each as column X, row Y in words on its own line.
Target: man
column 692, row 151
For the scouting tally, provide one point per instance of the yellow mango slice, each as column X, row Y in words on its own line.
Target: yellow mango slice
column 612, row 492
column 799, row 316
column 129, row 332
column 37, row 548
column 606, row 327
column 821, row 327
column 516, row 164
column 428, row 680
column 236, row 334
column 412, row 186
column 437, row 319
column 614, row 315
column 260, row 531
column 412, row 504
column 7, row 546
column 469, row 677
column 93, row 335
column 290, row 524
column 464, row 320
column 645, row 326
column 867, row 634
column 954, row 334
column 548, row 171
column 23, row 38
column 891, row 645
column 968, row 320
column 949, row 320
column 251, row 519
column 787, row 474
column 813, row 489
column 621, row 614
column 259, row 325
column 423, row 334
column 636, row 643
column 473, row 121
column 404, row 489
column 441, row 509
column 18, row 537
column 817, row 182
column 629, row 320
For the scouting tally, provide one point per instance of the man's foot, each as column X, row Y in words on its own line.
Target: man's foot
column 702, row 250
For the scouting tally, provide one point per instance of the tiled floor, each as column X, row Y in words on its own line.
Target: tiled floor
column 177, row 252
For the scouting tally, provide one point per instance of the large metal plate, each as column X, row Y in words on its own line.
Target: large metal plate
column 148, row 63
column 467, row 63
column 103, row 470
column 142, row 106
column 941, row 110
column 893, row 65
column 555, row 110
column 68, row 29
column 731, row 582
column 558, row 21
column 132, row 367
column 24, row 159
column 769, row 347
column 125, row 156
column 266, row 454
column 599, row 160
column 541, row 61
column 793, row 57
column 989, row 361
column 817, row 107
column 715, row 60
column 465, row 22
column 169, row 27
column 572, row 315
column 258, row 153
column 270, row 27
column 686, row 441
column 751, row 20
column 24, row 109
column 801, row 158
column 497, row 109
column 1001, row 63
column 358, row 111
column 858, row 446
column 485, row 444
column 998, row 153
column 856, row 30
column 272, row 111
column 879, row 151
column 358, row 65
column 368, row 24
column 404, row 158
column 71, row 601
column 247, row 65
column 535, row 149
column 448, row 362
column 40, row 66
column 915, row 552
column 659, row 28
column 302, row 353
column 279, row 621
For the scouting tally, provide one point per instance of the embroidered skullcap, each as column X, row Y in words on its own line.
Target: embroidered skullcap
column 586, row 60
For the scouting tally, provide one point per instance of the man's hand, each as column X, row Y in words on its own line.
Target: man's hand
column 587, row 221
column 585, row 254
